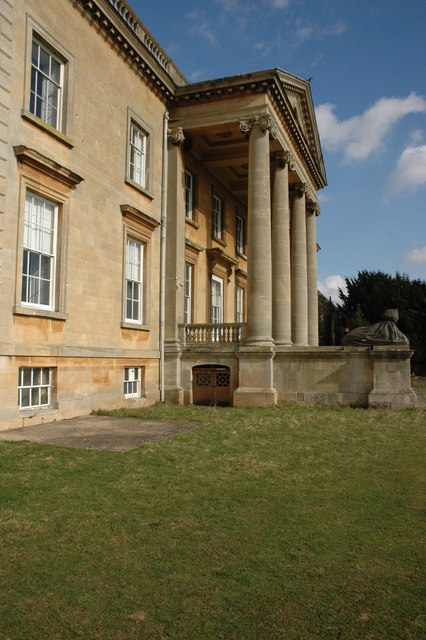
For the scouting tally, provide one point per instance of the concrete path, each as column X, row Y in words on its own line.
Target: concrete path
column 99, row 432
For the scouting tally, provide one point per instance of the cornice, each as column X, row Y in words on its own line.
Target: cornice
column 46, row 165
column 130, row 212
column 122, row 28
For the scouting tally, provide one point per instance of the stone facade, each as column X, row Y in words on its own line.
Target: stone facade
column 148, row 225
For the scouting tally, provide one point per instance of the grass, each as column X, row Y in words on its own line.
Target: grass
column 291, row 523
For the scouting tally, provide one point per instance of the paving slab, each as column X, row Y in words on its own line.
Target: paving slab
column 103, row 433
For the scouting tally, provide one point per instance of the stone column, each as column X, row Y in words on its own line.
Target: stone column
column 281, row 278
column 175, row 267
column 259, row 253
column 299, row 267
column 313, row 210
column 255, row 357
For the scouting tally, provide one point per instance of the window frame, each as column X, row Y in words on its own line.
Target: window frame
column 140, row 282
column 188, row 295
column 218, row 224
column 32, row 387
column 218, row 280
column 36, row 100
column 137, row 380
column 240, row 235
column 134, row 121
column 239, row 304
column 189, row 195
column 63, row 130
column 33, row 251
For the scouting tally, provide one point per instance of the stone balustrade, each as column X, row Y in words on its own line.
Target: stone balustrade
column 229, row 333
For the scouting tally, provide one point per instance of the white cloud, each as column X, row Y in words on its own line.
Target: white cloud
column 279, row 4
column 410, row 172
column 204, row 30
column 263, row 48
column 416, row 256
column 358, row 137
column 330, row 287
column 305, row 32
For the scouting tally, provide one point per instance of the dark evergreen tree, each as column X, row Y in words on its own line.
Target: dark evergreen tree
column 372, row 292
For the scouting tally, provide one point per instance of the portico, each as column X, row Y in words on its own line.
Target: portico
column 254, row 143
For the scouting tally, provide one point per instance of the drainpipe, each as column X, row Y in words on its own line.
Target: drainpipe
column 163, row 252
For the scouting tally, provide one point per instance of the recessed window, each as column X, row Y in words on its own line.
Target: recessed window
column 188, row 293
column 132, row 382
column 217, row 300
column 134, row 281
column 189, row 194
column 137, row 155
column 34, row 387
column 39, row 252
column 46, row 90
column 240, row 234
column 240, row 305
column 218, row 218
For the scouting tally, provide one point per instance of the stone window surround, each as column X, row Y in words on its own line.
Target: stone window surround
column 192, row 251
column 46, row 179
column 138, row 226
column 35, row 30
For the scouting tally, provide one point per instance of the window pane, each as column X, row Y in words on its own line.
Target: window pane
column 44, row 267
column 35, row 397
column 36, row 376
column 33, row 290
column 44, row 396
column 25, row 397
column 44, row 290
column 34, row 54
column 34, row 264
column 44, row 61
column 55, row 70
column 45, row 376
column 26, row 377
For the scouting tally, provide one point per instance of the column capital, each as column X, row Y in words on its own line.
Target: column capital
column 283, row 157
column 313, row 208
column 176, row 136
column 302, row 189
column 262, row 120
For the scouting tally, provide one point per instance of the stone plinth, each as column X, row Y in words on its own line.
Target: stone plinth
column 391, row 378
column 256, row 378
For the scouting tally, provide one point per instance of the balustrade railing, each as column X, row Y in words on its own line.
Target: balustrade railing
column 211, row 334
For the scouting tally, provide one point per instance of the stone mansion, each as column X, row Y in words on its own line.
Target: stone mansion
column 158, row 238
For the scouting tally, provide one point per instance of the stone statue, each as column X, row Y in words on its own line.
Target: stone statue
column 383, row 332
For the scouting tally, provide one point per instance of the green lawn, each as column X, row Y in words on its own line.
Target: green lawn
column 290, row 523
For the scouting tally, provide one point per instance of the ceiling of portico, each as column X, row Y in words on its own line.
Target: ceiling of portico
column 223, row 151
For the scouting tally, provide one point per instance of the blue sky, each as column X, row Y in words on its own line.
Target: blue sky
column 367, row 61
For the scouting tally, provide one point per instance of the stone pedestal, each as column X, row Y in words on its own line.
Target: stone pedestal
column 256, row 376
column 391, row 378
